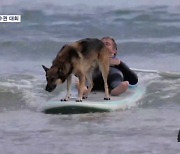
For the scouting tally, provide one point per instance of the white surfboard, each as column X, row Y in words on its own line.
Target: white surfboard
column 95, row 103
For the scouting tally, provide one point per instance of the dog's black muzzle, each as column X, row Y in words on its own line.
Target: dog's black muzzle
column 50, row 88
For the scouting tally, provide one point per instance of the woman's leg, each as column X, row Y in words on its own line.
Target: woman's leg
column 121, row 88
column 116, row 83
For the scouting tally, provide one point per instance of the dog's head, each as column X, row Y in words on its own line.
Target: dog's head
column 54, row 76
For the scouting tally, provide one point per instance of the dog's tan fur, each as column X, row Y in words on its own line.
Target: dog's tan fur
column 79, row 58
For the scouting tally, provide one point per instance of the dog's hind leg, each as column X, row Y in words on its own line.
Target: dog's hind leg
column 68, row 94
column 104, row 68
column 105, row 72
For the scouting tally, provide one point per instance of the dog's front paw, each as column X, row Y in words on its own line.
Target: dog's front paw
column 79, row 100
column 85, row 96
column 107, row 98
column 65, row 99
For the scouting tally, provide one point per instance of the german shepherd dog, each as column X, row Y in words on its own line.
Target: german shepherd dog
column 79, row 58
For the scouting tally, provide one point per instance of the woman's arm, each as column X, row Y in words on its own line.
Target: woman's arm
column 129, row 75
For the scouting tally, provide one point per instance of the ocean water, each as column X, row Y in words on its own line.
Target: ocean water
column 148, row 37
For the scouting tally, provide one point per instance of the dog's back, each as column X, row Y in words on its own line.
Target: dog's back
column 91, row 50
column 87, row 50
column 90, row 45
column 86, row 47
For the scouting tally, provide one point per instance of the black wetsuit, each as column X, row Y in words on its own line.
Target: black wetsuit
column 117, row 74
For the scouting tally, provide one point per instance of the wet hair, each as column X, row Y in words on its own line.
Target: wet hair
column 114, row 42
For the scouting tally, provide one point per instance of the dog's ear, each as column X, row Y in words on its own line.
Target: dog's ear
column 45, row 68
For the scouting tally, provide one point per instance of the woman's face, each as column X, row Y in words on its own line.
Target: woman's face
column 110, row 45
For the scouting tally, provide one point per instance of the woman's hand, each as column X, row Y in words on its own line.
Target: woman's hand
column 114, row 61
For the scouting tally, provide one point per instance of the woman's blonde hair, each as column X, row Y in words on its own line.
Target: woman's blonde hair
column 114, row 42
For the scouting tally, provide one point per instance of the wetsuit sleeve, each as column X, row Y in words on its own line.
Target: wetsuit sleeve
column 129, row 75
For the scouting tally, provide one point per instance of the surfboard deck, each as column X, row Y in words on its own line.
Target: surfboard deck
column 96, row 103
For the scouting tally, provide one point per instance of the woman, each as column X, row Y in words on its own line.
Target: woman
column 120, row 75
